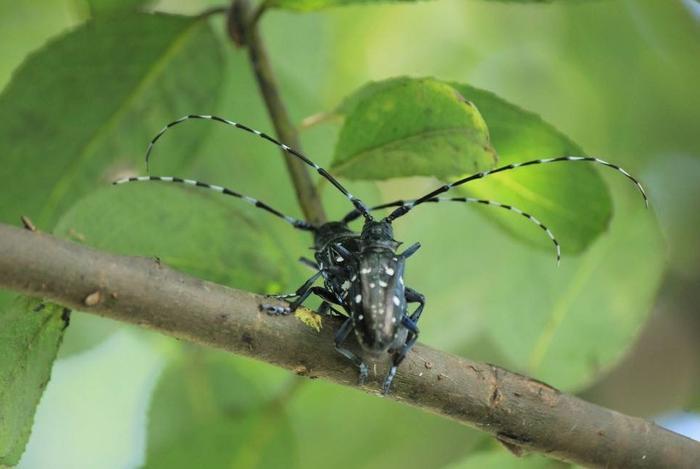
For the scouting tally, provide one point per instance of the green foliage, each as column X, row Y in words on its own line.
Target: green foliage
column 29, row 341
column 571, row 199
column 500, row 459
column 221, row 244
column 419, row 127
column 221, row 419
column 111, row 7
column 335, row 425
column 409, row 127
column 311, row 5
column 79, row 111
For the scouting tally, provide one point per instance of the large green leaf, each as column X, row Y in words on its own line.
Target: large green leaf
column 570, row 197
column 81, row 109
column 29, row 340
column 410, row 127
column 310, row 5
column 204, row 234
column 204, row 414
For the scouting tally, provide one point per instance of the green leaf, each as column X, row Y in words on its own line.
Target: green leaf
column 410, row 127
column 204, row 414
column 311, row 5
column 337, row 423
column 80, row 110
column 500, row 459
column 110, row 7
column 570, row 198
column 29, row 341
column 204, row 234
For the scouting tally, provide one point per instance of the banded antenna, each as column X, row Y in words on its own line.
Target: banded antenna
column 402, row 203
column 357, row 203
column 296, row 223
column 404, row 209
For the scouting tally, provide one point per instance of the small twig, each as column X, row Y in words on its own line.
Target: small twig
column 243, row 29
column 520, row 411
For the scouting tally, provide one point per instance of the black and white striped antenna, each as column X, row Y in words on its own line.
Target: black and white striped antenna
column 404, row 209
column 357, row 203
column 409, row 203
column 296, row 223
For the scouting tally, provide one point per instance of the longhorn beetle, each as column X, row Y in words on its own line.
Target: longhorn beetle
column 363, row 273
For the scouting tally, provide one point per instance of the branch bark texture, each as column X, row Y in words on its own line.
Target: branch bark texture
column 519, row 411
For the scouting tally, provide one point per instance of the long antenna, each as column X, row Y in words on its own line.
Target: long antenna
column 403, row 210
column 402, row 203
column 357, row 203
column 296, row 223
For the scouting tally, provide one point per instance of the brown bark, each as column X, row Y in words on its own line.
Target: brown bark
column 520, row 411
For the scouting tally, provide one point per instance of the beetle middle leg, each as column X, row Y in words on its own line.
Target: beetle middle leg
column 340, row 337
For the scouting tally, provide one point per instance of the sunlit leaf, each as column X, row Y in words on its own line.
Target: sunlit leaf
column 569, row 197
column 410, row 127
column 204, row 414
column 29, row 339
column 81, row 109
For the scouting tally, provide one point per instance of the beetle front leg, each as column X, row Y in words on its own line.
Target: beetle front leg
column 302, row 293
column 340, row 337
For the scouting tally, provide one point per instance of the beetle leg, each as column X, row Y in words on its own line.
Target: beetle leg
column 413, row 296
column 340, row 337
column 409, row 322
column 302, row 293
column 309, row 263
column 398, row 357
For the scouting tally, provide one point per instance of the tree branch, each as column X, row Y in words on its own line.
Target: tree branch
column 243, row 28
column 519, row 411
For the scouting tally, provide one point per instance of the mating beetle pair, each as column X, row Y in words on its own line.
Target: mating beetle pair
column 363, row 272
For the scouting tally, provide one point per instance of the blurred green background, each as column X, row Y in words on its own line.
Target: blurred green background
column 617, row 324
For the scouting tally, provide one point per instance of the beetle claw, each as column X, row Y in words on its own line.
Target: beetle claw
column 388, row 380
column 364, row 372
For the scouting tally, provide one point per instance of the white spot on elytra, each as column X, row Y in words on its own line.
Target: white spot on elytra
column 383, row 284
column 393, row 319
column 361, row 317
column 401, row 280
column 372, row 285
column 366, row 270
column 389, row 271
column 339, row 259
column 353, row 278
column 358, row 298
column 396, row 300
column 345, row 285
